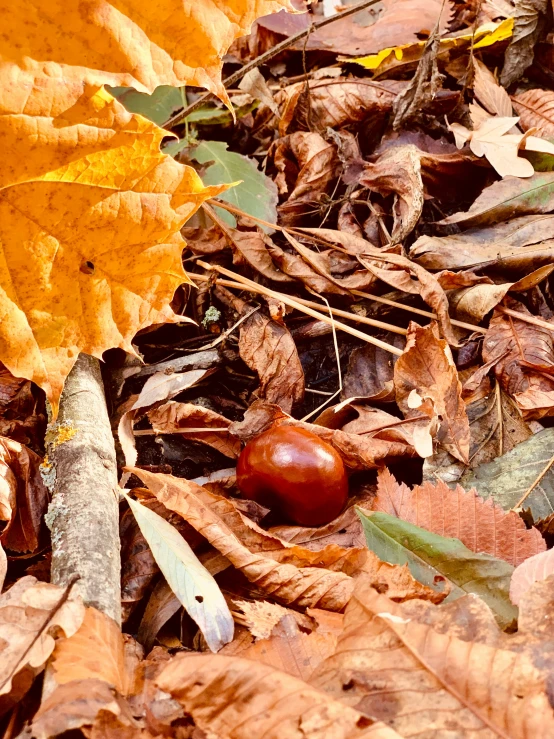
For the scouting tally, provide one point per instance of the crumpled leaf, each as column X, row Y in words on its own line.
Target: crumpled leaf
column 427, row 383
column 536, row 568
column 512, row 476
column 444, row 678
column 27, row 641
column 398, row 171
column 529, row 21
column 23, row 497
column 186, row 51
column 188, row 578
column 490, row 94
column 171, row 417
column 241, row 698
column 492, row 140
column 481, row 525
column 525, row 360
column 370, row 373
column 253, row 191
column 434, row 559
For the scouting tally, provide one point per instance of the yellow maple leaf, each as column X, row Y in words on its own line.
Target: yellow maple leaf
column 90, row 249
column 135, row 43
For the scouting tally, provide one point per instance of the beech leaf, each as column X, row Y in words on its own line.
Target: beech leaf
column 191, row 582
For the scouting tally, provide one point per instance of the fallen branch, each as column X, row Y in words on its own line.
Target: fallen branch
column 80, row 471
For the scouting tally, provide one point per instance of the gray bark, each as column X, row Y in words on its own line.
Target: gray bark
column 84, row 513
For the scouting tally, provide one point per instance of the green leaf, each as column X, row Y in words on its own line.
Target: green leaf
column 430, row 556
column 191, row 582
column 256, row 194
column 157, row 107
column 507, row 478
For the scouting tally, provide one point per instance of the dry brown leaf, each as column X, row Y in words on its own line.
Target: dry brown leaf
column 252, row 246
column 370, row 373
column 424, row 680
column 268, row 348
column 95, row 652
column 529, row 22
column 303, row 586
column 427, row 383
column 536, row 110
column 333, row 103
column 3, row 567
column 525, row 366
column 287, row 648
column 172, row 416
column 240, row 698
column 22, row 416
column 259, row 616
column 397, row 171
column 473, row 303
column 80, row 704
column 489, row 93
column 481, row 525
column 29, row 625
column 307, row 165
column 23, row 497
column 161, row 606
column 537, row 568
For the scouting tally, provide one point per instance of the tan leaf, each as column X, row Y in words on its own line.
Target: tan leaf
column 96, row 651
column 481, row 525
column 536, row 110
column 534, row 569
column 525, row 365
column 286, row 583
column 252, row 245
column 3, row 567
column 171, row 417
column 27, row 635
column 240, row 698
column 428, row 681
column 427, row 383
column 23, row 497
column 489, row 93
column 260, row 616
column 473, row 303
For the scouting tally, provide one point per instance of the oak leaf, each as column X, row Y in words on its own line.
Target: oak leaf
column 481, row 525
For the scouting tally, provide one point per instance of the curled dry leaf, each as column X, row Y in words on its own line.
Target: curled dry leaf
column 536, row 568
column 440, row 683
column 303, row 586
column 23, row 497
column 397, row 171
column 370, row 373
column 489, row 93
column 171, row 417
column 307, row 165
column 427, row 383
column 529, row 22
column 253, row 247
column 30, row 620
column 525, row 355
column 268, row 348
column 481, row 525
column 240, row 698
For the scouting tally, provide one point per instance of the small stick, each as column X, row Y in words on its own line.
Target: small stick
column 528, row 319
column 534, row 483
column 287, row 300
column 311, row 304
column 151, row 432
column 266, row 56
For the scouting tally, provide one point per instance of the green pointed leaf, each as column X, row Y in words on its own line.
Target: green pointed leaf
column 191, row 582
column 157, row 107
column 255, row 194
column 430, row 556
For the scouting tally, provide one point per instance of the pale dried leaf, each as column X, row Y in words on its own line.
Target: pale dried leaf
column 536, row 568
column 489, row 93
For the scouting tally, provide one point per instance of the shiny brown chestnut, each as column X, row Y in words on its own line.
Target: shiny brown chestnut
column 294, row 472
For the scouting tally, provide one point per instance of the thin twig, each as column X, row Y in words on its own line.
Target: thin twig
column 266, row 56
column 527, row 319
column 205, row 430
column 534, row 483
column 311, row 304
column 293, row 303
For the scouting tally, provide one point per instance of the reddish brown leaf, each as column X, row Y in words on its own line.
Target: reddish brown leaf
column 536, row 110
column 481, row 525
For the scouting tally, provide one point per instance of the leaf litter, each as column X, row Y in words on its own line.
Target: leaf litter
column 368, row 247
